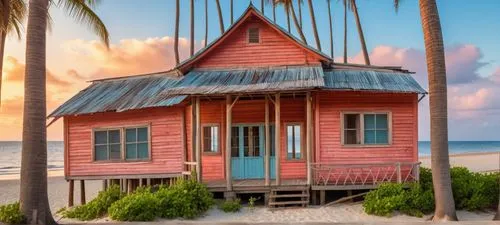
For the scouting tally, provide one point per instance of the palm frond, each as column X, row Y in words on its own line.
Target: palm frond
column 17, row 13
column 81, row 11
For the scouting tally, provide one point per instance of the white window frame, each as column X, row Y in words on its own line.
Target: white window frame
column 362, row 128
column 122, row 130
column 302, row 132
column 218, row 150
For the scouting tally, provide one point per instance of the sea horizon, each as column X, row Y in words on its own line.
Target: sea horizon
column 10, row 152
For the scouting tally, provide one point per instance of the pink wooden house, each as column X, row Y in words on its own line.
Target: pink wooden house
column 256, row 111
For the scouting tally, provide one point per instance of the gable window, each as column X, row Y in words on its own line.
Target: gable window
column 294, row 141
column 136, row 143
column 366, row 129
column 107, row 145
column 253, row 35
column 211, row 139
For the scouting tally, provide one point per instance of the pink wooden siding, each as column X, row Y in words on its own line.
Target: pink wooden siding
column 274, row 49
column 167, row 154
column 404, row 127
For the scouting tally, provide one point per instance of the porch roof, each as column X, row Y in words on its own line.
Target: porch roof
column 166, row 89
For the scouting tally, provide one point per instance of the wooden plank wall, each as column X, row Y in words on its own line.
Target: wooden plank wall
column 404, row 121
column 166, row 142
column 273, row 50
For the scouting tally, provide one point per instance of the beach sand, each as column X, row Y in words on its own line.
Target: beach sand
column 351, row 212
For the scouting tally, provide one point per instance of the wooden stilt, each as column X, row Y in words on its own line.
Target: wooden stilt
column 268, row 144
column 130, row 186
column 71, row 192
column 309, row 137
column 277, row 133
column 82, row 192
column 148, row 181
column 322, row 197
column 314, row 195
column 140, row 183
column 198, row 140
column 229, row 116
column 104, row 185
column 349, row 194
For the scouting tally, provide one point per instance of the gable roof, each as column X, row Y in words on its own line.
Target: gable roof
column 250, row 11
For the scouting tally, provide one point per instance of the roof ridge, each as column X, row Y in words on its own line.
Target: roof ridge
column 161, row 73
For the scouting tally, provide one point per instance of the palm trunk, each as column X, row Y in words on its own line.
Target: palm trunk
column 33, row 192
column 221, row 19
column 299, row 2
column 206, row 23
column 297, row 25
column 232, row 11
column 497, row 216
column 287, row 18
column 345, row 31
column 331, row 27
column 176, row 35
column 360, row 32
column 313, row 21
column 3, row 37
column 191, row 46
column 274, row 12
column 262, row 6
column 436, row 69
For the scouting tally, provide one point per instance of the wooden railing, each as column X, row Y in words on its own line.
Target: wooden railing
column 364, row 175
column 189, row 167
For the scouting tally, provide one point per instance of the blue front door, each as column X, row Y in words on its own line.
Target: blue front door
column 247, row 152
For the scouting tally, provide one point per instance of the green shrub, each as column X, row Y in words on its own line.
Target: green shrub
column 11, row 214
column 231, row 205
column 474, row 191
column 384, row 200
column 141, row 205
column 186, row 198
column 97, row 207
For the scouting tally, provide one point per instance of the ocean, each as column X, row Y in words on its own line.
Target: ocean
column 10, row 152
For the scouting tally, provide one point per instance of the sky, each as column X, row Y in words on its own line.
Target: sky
column 142, row 42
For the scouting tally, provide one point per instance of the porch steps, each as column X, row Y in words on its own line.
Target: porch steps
column 282, row 197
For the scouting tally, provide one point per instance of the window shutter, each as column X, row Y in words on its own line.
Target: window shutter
column 253, row 35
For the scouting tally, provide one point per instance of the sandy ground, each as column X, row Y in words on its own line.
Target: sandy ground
column 352, row 212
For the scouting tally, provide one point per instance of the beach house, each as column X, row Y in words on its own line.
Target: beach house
column 256, row 111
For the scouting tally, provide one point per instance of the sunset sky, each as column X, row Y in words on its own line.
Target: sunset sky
column 142, row 41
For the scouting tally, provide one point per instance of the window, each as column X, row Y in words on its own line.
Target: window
column 366, row 129
column 210, row 139
column 136, row 143
column 107, row 145
column 294, row 141
column 118, row 144
column 253, row 35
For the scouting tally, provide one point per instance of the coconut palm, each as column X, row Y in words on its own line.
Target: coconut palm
column 262, row 6
column 232, row 10
column 299, row 5
column 221, row 19
column 12, row 14
column 345, row 30
column 206, row 22
column 354, row 8
column 331, row 27
column 313, row 23
column 33, row 192
column 288, row 5
column 272, row 2
column 436, row 70
column 191, row 33
column 176, row 34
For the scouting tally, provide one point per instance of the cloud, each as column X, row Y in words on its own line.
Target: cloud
column 495, row 77
column 14, row 72
column 128, row 57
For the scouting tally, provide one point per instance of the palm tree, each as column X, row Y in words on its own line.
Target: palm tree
column 272, row 2
column 299, row 5
column 191, row 46
column 354, row 8
column 497, row 216
column 289, row 9
column 331, row 27
column 33, row 192
column 221, row 19
column 313, row 21
column 231, row 9
column 262, row 7
column 10, row 21
column 345, row 30
column 436, row 69
column 176, row 35
column 206, row 22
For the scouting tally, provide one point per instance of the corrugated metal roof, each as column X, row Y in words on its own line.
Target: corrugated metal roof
column 359, row 80
column 249, row 80
column 161, row 90
column 121, row 95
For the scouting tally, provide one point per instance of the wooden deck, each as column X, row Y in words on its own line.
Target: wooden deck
column 253, row 185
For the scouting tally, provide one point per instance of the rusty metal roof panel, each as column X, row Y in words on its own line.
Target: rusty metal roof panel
column 360, row 80
column 249, row 80
column 121, row 95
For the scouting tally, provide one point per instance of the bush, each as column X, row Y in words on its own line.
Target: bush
column 141, row 205
column 231, row 205
column 97, row 207
column 186, row 198
column 471, row 191
column 11, row 214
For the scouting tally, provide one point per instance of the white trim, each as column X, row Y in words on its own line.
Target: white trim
column 362, row 128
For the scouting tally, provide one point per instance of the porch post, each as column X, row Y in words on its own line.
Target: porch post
column 193, row 130
column 277, row 134
column 309, row 136
column 268, row 143
column 229, row 116
column 198, row 140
